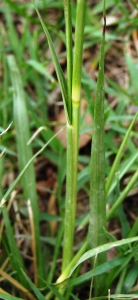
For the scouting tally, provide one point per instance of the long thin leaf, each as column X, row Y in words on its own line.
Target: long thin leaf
column 16, row 258
column 96, row 271
column 117, row 296
column 28, row 181
column 59, row 72
column 119, row 155
column 33, row 287
column 16, row 284
column 9, row 297
column 68, row 22
column 101, row 249
column 13, row 185
column 123, row 195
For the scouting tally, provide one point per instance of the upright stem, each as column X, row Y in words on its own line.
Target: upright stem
column 97, row 171
column 76, row 87
column 69, row 218
column 77, row 62
column 72, row 137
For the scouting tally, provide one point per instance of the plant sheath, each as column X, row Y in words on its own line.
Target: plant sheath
column 72, row 139
column 97, row 170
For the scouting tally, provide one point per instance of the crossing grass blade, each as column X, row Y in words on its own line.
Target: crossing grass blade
column 103, row 248
column 96, row 271
column 13, row 185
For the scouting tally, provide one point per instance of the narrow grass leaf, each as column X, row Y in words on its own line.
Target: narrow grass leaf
column 122, row 195
column 21, row 124
column 96, row 271
column 133, row 69
column 59, row 72
column 13, row 185
column 123, row 168
column 9, row 297
column 101, row 249
column 68, row 22
column 124, row 222
column 118, row 88
column 134, row 229
column 129, row 256
column 56, row 252
column 16, row 284
column 74, row 297
column 118, row 297
column 33, row 287
column 56, row 292
column 131, row 278
column 119, row 155
column 40, row 69
column 16, row 258
column 47, row 135
column 12, row 34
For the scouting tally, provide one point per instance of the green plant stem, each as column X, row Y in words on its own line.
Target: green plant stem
column 77, row 61
column 97, row 173
column 61, row 281
column 97, row 167
column 76, row 89
column 72, row 140
column 68, row 21
column 69, row 214
column 76, row 86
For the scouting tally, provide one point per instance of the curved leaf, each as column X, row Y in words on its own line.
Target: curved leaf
column 101, row 249
column 59, row 72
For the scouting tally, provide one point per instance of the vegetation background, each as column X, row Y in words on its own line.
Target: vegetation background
column 22, row 35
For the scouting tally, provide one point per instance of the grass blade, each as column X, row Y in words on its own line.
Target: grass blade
column 68, row 21
column 119, row 155
column 96, row 271
column 13, row 185
column 16, row 258
column 123, row 195
column 59, row 72
column 8, row 297
column 101, row 249
column 34, row 288
column 18, row 285
column 24, row 155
